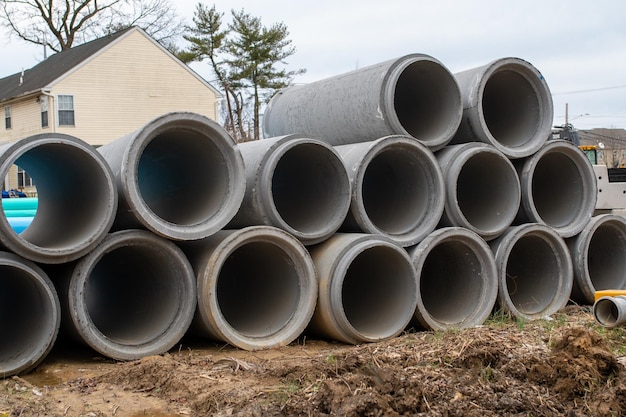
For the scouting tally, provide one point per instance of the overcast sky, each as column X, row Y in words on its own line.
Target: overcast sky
column 578, row 45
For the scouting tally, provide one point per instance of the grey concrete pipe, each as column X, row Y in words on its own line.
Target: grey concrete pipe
column 77, row 198
column 180, row 176
column 256, row 287
column 397, row 188
column 414, row 95
column 457, row 279
column 367, row 288
column 610, row 311
column 134, row 295
column 535, row 273
column 558, row 188
column 507, row 104
column 482, row 189
column 295, row 183
column 598, row 257
column 29, row 315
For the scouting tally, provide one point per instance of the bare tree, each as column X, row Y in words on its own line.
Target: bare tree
column 59, row 24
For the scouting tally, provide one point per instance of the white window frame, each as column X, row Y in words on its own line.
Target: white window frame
column 67, row 107
column 8, row 119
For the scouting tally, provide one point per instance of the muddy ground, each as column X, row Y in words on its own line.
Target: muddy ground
column 565, row 366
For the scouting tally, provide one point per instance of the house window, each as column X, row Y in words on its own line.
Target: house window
column 44, row 112
column 23, row 179
column 7, row 117
column 66, row 110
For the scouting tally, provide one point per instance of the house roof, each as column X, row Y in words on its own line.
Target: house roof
column 40, row 76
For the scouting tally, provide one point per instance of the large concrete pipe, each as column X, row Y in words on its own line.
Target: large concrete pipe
column 507, row 104
column 77, row 198
column 457, row 279
column 180, row 176
column 29, row 315
column 296, row 183
column 535, row 273
column 397, row 188
column 367, row 288
column 610, row 311
column 598, row 257
column 558, row 188
column 134, row 295
column 481, row 187
column 256, row 288
column 414, row 95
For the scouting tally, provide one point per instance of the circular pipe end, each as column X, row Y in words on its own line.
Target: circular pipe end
column 423, row 100
column 610, row 311
column 77, row 198
column 307, row 189
column 457, row 277
column 30, row 311
column 597, row 254
column 559, row 188
column 182, row 176
column 257, row 287
column 513, row 107
column 134, row 295
column 482, row 189
column 397, row 188
column 367, row 289
column 535, row 271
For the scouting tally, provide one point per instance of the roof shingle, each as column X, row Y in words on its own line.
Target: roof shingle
column 42, row 74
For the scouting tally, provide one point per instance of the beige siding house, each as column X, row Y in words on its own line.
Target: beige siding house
column 100, row 91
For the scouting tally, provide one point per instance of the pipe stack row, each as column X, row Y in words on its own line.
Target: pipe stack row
column 392, row 196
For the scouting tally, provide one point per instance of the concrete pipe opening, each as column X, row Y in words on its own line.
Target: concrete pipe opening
column 535, row 271
column 427, row 102
column 367, row 289
column 133, row 296
column 559, row 188
column 77, row 198
column 457, row 279
column 397, row 189
column 295, row 183
column 482, row 189
column 414, row 95
column 29, row 315
column 307, row 188
column 507, row 103
column 256, row 287
column 597, row 254
column 181, row 177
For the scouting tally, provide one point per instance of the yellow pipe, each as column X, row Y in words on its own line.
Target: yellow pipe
column 608, row 293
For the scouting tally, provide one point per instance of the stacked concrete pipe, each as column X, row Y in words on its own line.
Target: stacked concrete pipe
column 598, row 257
column 296, row 183
column 180, row 176
column 535, row 273
column 507, row 104
column 558, row 188
column 397, row 188
column 457, row 279
column 414, row 95
column 482, row 189
column 77, row 198
column 134, row 295
column 256, row 287
column 29, row 312
column 367, row 288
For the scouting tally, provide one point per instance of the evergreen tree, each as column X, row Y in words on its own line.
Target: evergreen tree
column 245, row 58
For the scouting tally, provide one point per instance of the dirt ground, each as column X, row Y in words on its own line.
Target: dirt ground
column 567, row 366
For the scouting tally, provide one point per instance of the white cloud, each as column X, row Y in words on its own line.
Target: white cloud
column 577, row 45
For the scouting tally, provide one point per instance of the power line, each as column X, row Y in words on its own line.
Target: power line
column 615, row 87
